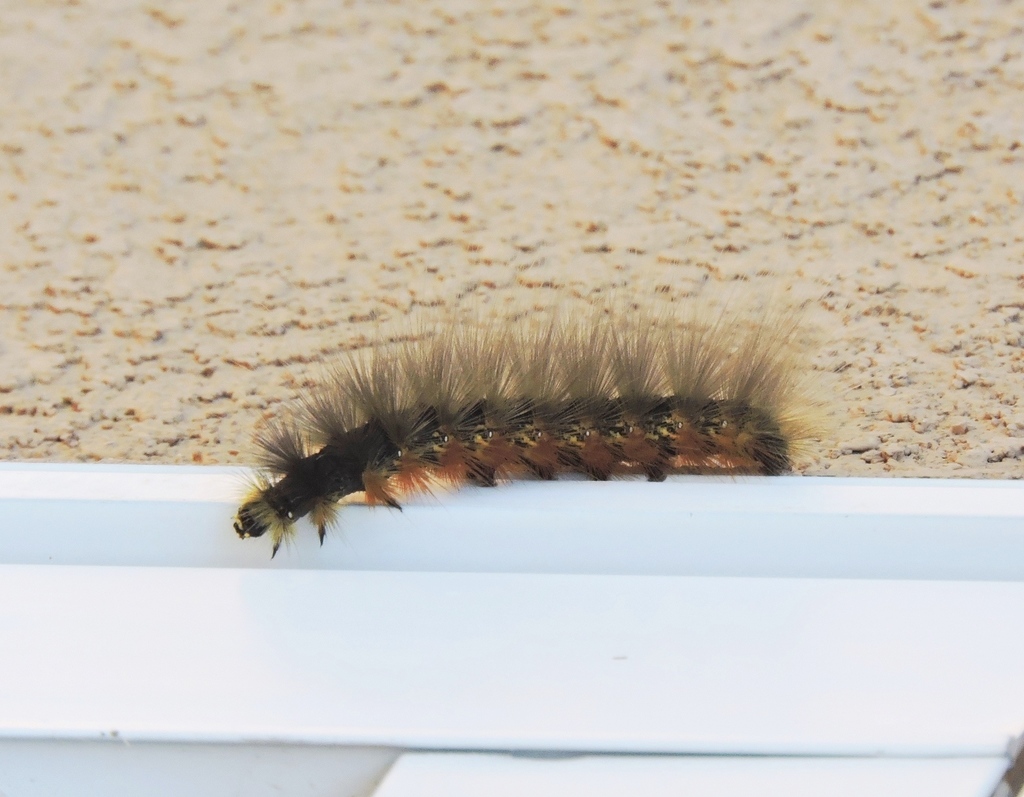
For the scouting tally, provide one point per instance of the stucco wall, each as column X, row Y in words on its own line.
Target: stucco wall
column 201, row 202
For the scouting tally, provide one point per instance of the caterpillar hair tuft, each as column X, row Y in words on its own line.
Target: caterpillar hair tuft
column 605, row 396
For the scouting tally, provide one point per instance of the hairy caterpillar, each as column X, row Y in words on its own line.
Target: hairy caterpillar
column 603, row 396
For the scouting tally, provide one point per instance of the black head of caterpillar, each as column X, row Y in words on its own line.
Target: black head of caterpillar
column 308, row 484
column 644, row 396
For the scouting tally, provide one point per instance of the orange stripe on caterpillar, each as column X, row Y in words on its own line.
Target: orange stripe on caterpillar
column 645, row 396
column 540, row 452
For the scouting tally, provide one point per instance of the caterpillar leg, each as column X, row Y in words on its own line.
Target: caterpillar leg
column 544, row 472
column 655, row 473
column 324, row 514
column 483, row 476
column 597, row 460
column 376, row 488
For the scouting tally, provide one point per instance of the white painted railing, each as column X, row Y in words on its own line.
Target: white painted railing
column 797, row 617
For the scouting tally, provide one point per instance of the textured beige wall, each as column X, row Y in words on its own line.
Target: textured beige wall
column 201, row 201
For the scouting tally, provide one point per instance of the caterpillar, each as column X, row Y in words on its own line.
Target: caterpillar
column 602, row 396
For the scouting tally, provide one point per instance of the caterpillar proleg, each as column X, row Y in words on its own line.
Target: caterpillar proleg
column 604, row 396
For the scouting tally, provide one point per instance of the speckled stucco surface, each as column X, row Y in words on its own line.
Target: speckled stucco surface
column 202, row 202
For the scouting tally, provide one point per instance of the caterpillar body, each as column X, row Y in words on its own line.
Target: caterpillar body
column 602, row 396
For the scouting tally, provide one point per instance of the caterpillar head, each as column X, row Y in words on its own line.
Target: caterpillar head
column 260, row 514
column 275, row 508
